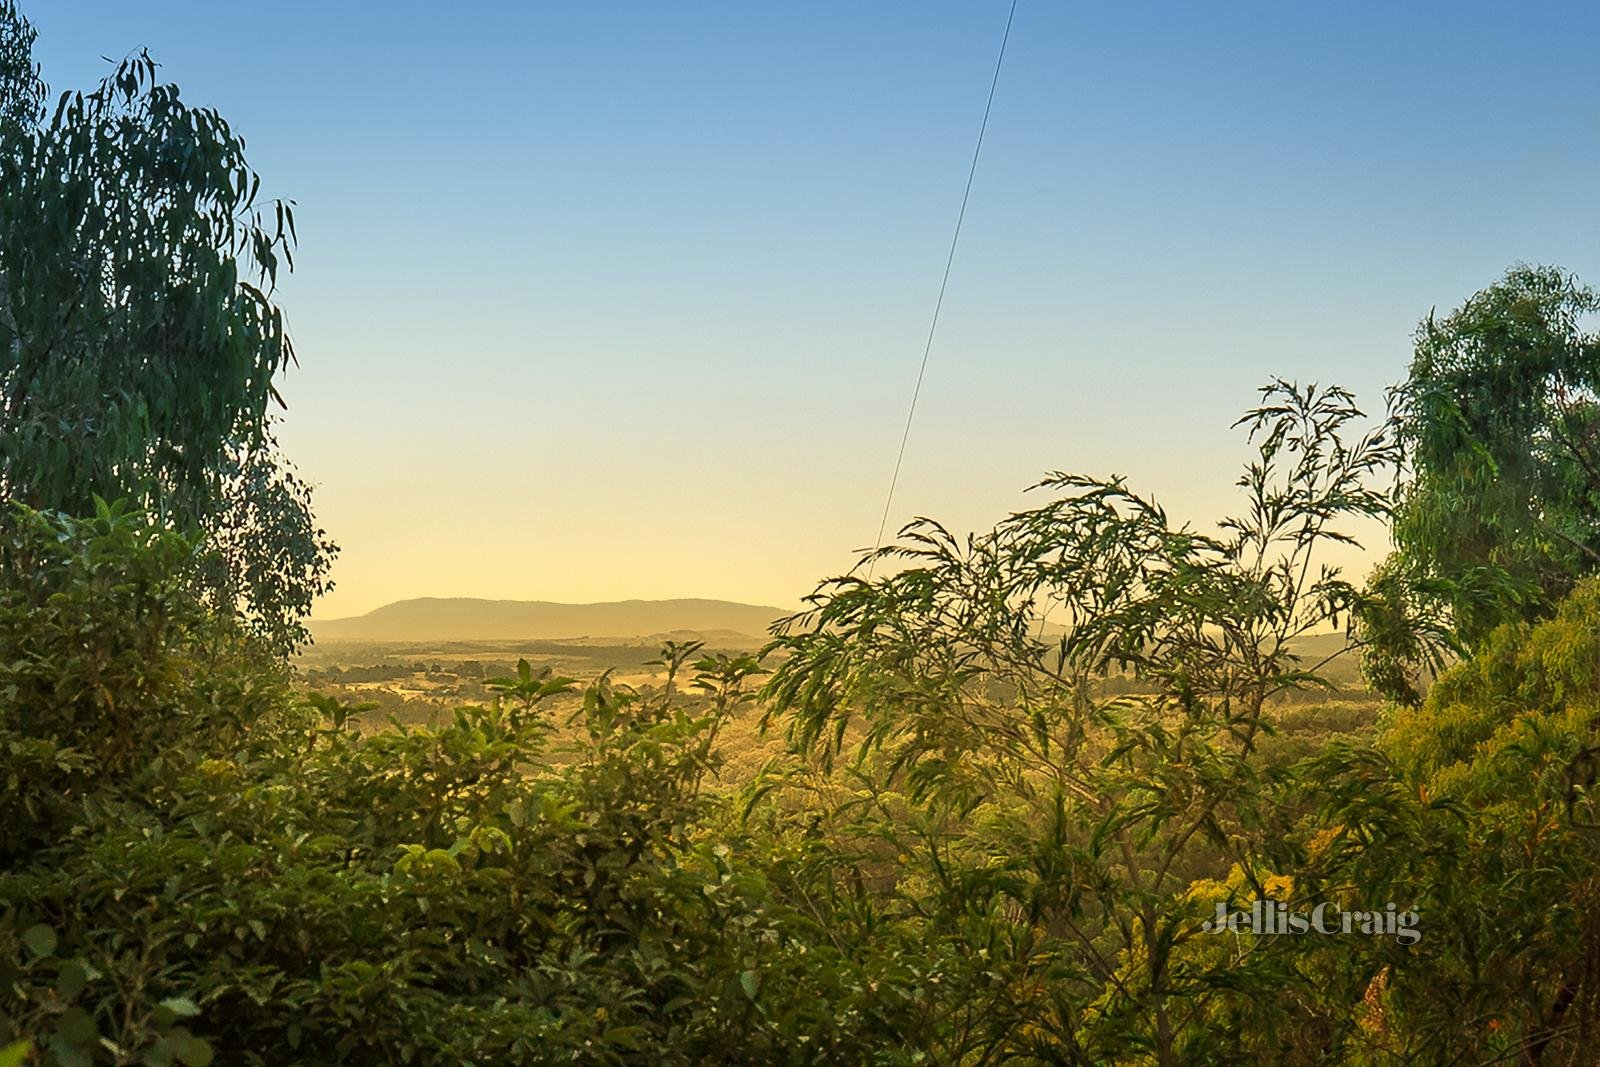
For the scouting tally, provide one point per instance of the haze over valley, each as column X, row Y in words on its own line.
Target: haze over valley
column 473, row 619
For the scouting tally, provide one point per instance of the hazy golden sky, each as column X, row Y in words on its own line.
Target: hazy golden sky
column 598, row 303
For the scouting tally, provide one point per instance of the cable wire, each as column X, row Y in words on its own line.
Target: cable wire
column 944, row 283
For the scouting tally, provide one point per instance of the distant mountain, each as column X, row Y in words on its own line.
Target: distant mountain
column 469, row 619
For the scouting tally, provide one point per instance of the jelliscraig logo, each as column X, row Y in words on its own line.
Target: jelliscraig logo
column 1276, row 917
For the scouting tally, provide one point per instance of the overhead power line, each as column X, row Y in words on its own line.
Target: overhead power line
column 944, row 283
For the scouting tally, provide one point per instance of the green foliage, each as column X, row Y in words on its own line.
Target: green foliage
column 1501, row 512
column 138, row 337
column 111, row 666
column 977, row 850
column 1477, row 807
column 1008, row 813
column 200, row 865
column 22, row 92
column 529, row 687
column 982, row 846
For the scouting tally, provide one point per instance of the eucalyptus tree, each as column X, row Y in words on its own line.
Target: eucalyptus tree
column 22, row 92
column 1499, row 513
column 1058, row 823
column 139, row 338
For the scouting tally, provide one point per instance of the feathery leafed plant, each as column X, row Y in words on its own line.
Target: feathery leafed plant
column 1005, row 779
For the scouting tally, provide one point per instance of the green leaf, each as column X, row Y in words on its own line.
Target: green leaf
column 182, row 1007
column 77, row 1026
column 14, row 1055
column 71, row 979
column 749, row 981
column 41, row 940
column 194, row 1052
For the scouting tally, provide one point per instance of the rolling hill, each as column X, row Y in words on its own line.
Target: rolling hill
column 470, row 619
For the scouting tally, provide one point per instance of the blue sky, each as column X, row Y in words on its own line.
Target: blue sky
column 599, row 301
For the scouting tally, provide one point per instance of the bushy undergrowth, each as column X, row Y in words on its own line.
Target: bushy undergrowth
column 199, row 864
column 195, row 863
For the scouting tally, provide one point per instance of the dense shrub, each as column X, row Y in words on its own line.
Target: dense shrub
column 199, row 863
column 970, row 854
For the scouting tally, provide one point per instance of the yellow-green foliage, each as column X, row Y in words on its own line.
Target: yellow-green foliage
column 1509, row 722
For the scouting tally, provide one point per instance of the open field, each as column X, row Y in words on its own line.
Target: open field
column 421, row 682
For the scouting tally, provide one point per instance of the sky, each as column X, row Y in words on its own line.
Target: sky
column 603, row 301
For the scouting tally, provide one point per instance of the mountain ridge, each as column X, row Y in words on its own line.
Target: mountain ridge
column 477, row 618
